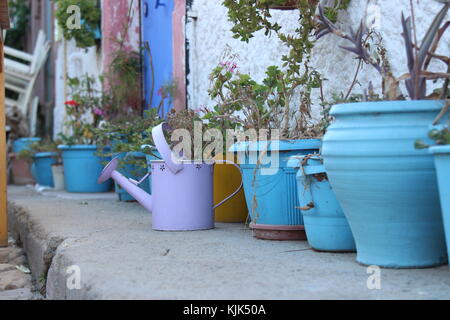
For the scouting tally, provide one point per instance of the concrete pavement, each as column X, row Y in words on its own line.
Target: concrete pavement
column 112, row 248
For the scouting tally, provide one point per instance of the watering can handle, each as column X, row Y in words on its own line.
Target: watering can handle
column 164, row 149
column 240, row 186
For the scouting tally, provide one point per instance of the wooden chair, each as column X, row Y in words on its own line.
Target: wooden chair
column 20, row 77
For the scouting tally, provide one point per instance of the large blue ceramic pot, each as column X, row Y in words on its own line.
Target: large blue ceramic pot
column 271, row 187
column 386, row 187
column 442, row 162
column 42, row 168
column 82, row 167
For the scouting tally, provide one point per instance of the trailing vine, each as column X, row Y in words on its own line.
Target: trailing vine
column 90, row 16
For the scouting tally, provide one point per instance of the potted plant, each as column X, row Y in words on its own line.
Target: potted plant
column 271, row 104
column 43, row 155
column 386, row 187
column 20, row 168
column 226, row 177
column 82, row 163
column 127, row 135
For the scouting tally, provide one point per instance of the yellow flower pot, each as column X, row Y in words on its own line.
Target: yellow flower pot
column 226, row 180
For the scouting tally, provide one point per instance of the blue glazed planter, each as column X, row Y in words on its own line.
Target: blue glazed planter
column 42, row 168
column 271, row 194
column 442, row 162
column 135, row 172
column 82, row 167
column 24, row 144
column 386, row 187
column 326, row 227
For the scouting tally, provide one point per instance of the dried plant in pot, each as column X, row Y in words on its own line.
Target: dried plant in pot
column 386, row 187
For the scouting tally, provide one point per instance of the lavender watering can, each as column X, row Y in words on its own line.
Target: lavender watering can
column 182, row 190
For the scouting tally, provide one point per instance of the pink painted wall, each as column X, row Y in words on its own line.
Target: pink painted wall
column 179, row 53
column 114, row 20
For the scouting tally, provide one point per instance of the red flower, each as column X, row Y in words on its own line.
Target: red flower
column 71, row 103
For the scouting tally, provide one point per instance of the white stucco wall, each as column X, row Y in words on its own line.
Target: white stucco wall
column 209, row 35
column 75, row 62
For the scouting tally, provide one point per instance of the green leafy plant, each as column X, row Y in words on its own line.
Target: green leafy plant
column 265, row 105
column 91, row 18
column 122, row 90
column 127, row 134
column 20, row 16
column 46, row 145
column 440, row 135
column 122, row 79
column 283, row 98
column 85, row 111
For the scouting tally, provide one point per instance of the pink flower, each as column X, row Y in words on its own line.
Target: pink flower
column 99, row 112
column 230, row 66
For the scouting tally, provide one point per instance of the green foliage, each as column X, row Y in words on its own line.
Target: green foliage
column 84, row 111
column 335, row 99
column 122, row 94
column 38, row 147
column 441, row 136
column 268, row 104
column 91, row 16
column 20, row 15
column 127, row 134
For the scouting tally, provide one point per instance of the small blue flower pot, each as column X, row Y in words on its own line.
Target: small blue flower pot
column 82, row 167
column 326, row 227
column 442, row 162
column 24, row 144
column 42, row 168
column 271, row 189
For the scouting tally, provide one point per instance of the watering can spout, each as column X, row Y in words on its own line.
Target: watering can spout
column 131, row 186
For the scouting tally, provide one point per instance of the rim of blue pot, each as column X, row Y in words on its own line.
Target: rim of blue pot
column 283, row 145
column 445, row 149
column 79, row 147
column 45, row 154
column 387, row 107
column 32, row 139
